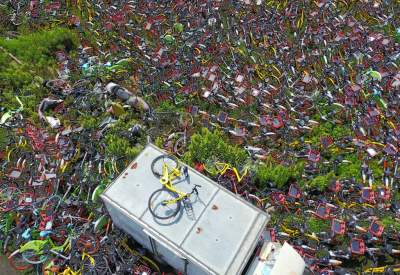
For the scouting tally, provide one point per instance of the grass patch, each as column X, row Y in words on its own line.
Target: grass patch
column 207, row 145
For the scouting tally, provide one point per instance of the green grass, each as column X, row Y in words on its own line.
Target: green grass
column 317, row 225
column 389, row 221
column 277, row 173
column 33, row 62
column 207, row 145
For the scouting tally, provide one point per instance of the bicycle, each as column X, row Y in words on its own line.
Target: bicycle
column 294, row 232
column 132, row 252
column 86, row 263
column 222, row 168
column 36, row 252
column 168, row 169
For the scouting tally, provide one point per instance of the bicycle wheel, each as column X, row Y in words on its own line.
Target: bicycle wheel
column 8, row 199
column 32, row 257
column 226, row 182
column 157, row 164
column 102, row 265
column 180, row 146
column 17, row 18
column 186, row 120
column 52, row 202
column 153, row 133
column 88, row 268
column 209, row 167
column 159, row 209
column 88, row 243
column 18, row 262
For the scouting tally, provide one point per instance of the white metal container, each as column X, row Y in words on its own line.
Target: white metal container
column 218, row 238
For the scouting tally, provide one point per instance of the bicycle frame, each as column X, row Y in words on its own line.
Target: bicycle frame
column 69, row 271
column 166, row 181
column 38, row 246
column 224, row 167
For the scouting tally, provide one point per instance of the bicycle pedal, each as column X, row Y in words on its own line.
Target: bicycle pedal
column 186, row 202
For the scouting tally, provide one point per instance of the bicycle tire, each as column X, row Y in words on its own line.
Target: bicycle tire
column 153, row 132
column 156, row 165
column 88, row 243
column 8, row 197
column 16, row 19
column 180, row 146
column 225, row 182
column 102, row 266
column 30, row 256
column 18, row 262
column 209, row 167
column 153, row 207
column 186, row 120
column 88, row 268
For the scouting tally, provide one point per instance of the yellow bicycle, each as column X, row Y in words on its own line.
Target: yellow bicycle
column 143, row 259
column 165, row 203
column 382, row 269
column 289, row 232
column 50, row 268
column 221, row 168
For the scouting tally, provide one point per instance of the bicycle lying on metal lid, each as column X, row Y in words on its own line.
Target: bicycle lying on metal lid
column 165, row 203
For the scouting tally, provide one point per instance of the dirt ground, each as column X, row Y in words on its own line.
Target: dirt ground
column 5, row 267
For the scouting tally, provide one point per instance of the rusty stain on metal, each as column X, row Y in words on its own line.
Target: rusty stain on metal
column 214, row 207
column 198, row 230
column 134, row 166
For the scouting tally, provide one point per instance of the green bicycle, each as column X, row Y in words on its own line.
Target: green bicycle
column 36, row 252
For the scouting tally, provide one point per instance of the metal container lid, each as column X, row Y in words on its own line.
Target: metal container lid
column 219, row 235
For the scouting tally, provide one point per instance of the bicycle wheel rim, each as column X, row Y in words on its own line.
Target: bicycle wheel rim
column 186, row 120
column 30, row 256
column 7, row 194
column 180, row 146
column 18, row 263
column 158, row 209
column 153, row 132
column 88, row 268
column 157, row 164
column 7, row 206
column 87, row 243
column 225, row 182
column 52, row 201
column 101, row 266
column 210, row 169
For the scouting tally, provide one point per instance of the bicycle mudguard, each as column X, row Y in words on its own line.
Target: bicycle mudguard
column 5, row 117
column 35, row 245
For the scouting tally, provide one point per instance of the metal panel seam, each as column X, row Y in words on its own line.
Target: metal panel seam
column 197, row 221
column 244, row 239
column 167, row 242
column 253, row 245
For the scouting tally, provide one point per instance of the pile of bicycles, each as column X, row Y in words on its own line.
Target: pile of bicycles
column 56, row 224
column 340, row 229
